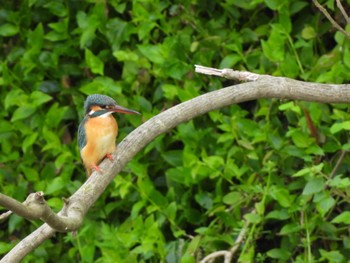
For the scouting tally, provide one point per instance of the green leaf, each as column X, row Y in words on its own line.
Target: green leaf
column 5, row 128
column 187, row 258
column 101, row 84
column 5, row 247
column 324, row 205
column 308, row 33
column 174, row 158
column 56, row 8
column 55, row 185
column 59, row 31
column 23, row 112
column 123, row 55
column 158, row 199
column 344, row 218
column 14, row 222
column 170, row 91
column 136, row 209
column 347, row 57
column 291, row 105
column 176, row 69
column 278, row 214
column 214, row 162
column 290, row 228
column 204, row 200
column 339, row 182
column 31, row 174
column 154, row 53
column 144, row 104
column 229, row 61
column 313, row 170
column 36, row 38
column 171, row 211
column 297, row 6
column 339, row 126
column 38, row 98
column 8, row 30
column 279, row 253
column 253, row 218
column 300, row 139
column 332, row 256
column 52, row 140
column 232, row 198
column 290, row 67
column 15, row 97
column 194, row 245
column 55, row 203
column 88, row 26
column 244, row 4
column 282, row 196
column 62, row 159
column 313, row 186
column 274, row 47
column 93, row 62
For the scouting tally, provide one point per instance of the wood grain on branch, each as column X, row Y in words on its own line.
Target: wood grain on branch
column 261, row 86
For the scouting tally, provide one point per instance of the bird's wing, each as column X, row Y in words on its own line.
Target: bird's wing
column 82, row 134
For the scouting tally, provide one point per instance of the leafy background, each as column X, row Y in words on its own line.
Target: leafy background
column 190, row 191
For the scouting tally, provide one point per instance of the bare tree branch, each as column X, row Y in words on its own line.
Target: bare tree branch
column 5, row 215
column 329, row 17
column 263, row 87
column 32, row 208
column 227, row 73
column 35, row 207
column 342, row 10
column 338, row 163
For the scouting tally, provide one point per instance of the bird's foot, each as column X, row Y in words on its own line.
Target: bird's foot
column 109, row 156
column 96, row 168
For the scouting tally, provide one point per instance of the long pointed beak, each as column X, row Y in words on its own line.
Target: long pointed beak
column 121, row 109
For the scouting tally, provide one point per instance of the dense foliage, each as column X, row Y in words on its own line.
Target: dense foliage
column 269, row 163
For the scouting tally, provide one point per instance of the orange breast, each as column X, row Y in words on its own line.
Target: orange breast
column 101, row 133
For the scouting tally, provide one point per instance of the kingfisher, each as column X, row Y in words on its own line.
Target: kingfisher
column 98, row 130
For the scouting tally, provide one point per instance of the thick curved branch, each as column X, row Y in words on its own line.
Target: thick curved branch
column 264, row 87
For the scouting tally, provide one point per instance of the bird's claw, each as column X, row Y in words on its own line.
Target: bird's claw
column 109, row 156
column 96, row 168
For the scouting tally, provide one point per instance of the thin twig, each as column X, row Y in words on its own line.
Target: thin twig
column 5, row 215
column 239, row 239
column 342, row 10
column 329, row 17
column 339, row 161
column 216, row 254
column 227, row 73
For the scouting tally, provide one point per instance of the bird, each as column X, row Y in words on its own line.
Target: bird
column 98, row 130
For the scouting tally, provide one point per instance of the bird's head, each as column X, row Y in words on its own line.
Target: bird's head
column 101, row 105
